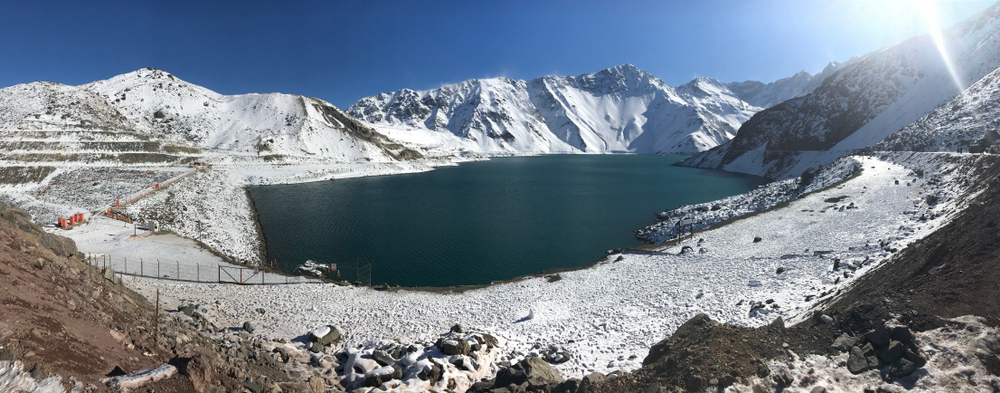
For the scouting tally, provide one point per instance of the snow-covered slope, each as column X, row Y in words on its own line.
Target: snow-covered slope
column 969, row 122
column 766, row 95
column 619, row 109
column 861, row 104
column 156, row 104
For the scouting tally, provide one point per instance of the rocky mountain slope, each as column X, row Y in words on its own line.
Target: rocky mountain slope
column 766, row 95
column 619, row 109
column 968, row 122
column 149, row 104
column 863, row 103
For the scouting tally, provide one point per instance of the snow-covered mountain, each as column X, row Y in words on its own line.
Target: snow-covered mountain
column 766, row 95
column 155, row 104
column 619, row 109
column 861, row 104
column 968, row 122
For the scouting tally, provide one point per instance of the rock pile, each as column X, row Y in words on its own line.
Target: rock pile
column 889, row 348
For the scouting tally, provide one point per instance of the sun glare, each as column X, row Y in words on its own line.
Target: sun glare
column 928, row 9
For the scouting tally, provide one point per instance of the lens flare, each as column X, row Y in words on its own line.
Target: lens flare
column 929, row 11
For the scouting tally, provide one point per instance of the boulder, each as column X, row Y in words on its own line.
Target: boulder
column 432, row 375
column 199, row 372
column 382, row 375
column 454, row 346
column 589, row 381
column 456, row 328
column 783, row 377
column 902, row 368
column 844, row 343
column 902, row 334
column 382, row 357
column 316, row 385
column 857, row 363
column 878, row 337
column 61, row 246
column 324, row 335
column 567, row 386
column 248, row 327
column 918, row 359
column 892, row 353
column 539, row 372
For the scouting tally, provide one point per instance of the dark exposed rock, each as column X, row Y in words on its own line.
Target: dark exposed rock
column 454, row 346
column 891, row 353
column 844, row 342
column 331, row 335
column 878, row 337
column 857, row 363
column 383, row 358
column 590, row 380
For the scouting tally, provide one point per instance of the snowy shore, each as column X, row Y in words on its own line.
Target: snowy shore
column 608, row 316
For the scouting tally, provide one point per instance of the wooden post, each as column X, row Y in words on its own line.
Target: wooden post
column 158, row 268
column 140, row 267
column 199, row 273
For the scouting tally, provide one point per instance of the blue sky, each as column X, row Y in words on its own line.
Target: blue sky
column 342, row 51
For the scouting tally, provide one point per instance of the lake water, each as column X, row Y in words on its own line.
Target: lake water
column 481, row 221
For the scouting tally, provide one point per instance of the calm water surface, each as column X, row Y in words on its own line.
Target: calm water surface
column 481, row 221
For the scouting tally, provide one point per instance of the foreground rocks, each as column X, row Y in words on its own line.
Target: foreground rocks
column 890, row 347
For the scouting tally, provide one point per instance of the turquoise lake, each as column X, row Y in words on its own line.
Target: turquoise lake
column 481, row 221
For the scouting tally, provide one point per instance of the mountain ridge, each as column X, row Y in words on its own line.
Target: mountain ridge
column 611, row 110
column 860, row 104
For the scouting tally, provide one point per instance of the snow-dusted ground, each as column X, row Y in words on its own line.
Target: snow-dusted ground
column 619, row 308
column 954, row 365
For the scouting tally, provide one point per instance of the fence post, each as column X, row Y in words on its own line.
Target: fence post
column 157, row 320
column 199, row 273
column 158, row 268
column 140, row 267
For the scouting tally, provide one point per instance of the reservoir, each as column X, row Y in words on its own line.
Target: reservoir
column 481, row 221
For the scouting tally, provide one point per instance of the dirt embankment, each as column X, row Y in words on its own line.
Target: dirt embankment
column 58, row 317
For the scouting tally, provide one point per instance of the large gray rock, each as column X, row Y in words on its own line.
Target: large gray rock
column 454, row 346
column 857, row 363
column 892, row 353
column 61, row 246
column 844, row 342
column 590, row 380
column 324, row 335
column 539, row 372
column 382, row 375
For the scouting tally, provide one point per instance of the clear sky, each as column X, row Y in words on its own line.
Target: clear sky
column 342, row 51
